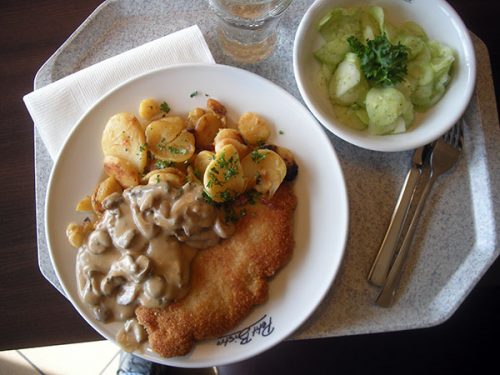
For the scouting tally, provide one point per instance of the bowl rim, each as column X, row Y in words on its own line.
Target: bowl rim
column 380, row 142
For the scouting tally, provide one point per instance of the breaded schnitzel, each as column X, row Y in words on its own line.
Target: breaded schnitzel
column 227, row 280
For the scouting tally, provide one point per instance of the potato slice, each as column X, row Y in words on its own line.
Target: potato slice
column 77, row 233
column 242, row 148
column 253, row 128
column 170, row 175
column 223, row 179
column 193, row 117
column 206, row 129
column 201, row 162
column 264, row 171
column 85, row 204
column 161, row 132
column 105, row 188
column 122, row 170
column 180, row 149
column 292, row 168
column 228, row 133
column 216, row 107
column 149, row 108
column 123, row 137
column 231, row 136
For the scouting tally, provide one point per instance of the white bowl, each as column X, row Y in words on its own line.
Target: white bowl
column 441, row 23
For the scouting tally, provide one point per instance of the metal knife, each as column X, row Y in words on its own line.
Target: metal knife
column 385, row 256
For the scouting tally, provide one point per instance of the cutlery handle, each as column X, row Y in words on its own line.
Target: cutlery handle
column 382, row 263
column 386, row 296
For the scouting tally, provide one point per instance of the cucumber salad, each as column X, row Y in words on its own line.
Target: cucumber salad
column 378, row 75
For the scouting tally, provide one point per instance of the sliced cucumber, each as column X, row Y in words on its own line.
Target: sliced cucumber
column 348, row 85
column 332, row 52
column 348, row 116
column 384, row 107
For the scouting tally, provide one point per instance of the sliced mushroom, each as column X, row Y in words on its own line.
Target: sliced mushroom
column 154, row 286
column 143, row 267
column 110, row 283
column 127, row 294
column 125, row 238
column 99, row 241
column 101, row 313
column 145, row 226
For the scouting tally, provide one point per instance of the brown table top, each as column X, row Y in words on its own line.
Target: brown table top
column 33, row 313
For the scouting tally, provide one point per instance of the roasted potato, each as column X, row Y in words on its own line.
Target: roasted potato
column 216, row 107
column 242, row 148
column 85, row 204
column 223, row 179
column 161, row 132
column 193, row 117
column 170, row 175
column 169, row 140
column 149, row 108
column 123, row 138
column 253, row 128
column 122, row 170
column 206, row 129
column 264, row 171
column 201, row 162
column 103, row 190
column 77, row 233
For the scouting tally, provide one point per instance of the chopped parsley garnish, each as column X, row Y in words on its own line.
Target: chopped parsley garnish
column 193, row 94
column 177, row 150
column 162, row 145
column 164, row 107
column 281, row 132
column 257, row 156
column 230, row 172
column 162, row 164
column 226, row 195
column 208, row 198
column 384, row 64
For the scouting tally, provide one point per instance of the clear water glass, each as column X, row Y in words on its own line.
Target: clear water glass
column 247, row 29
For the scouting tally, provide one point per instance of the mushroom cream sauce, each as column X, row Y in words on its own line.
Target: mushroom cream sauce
column 140, row 252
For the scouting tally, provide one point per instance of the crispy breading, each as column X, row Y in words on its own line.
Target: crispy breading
column 227, row 280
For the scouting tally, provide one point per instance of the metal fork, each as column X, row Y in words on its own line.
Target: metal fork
column 443, row 157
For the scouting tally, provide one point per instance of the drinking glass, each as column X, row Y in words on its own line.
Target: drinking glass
column 247, row 29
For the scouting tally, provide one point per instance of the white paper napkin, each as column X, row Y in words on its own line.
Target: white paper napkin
column 56, row 108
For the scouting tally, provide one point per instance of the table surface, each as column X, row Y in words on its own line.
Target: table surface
column 35, row 314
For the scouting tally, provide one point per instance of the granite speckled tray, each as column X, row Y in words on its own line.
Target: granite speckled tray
column 456, row 240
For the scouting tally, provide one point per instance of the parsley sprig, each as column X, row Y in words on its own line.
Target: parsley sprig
column 383, row 64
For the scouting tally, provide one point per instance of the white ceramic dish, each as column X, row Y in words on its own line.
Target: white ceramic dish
column 321, row 218
column 440, row 22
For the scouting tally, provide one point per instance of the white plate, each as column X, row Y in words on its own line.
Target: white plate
column 321, row 218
